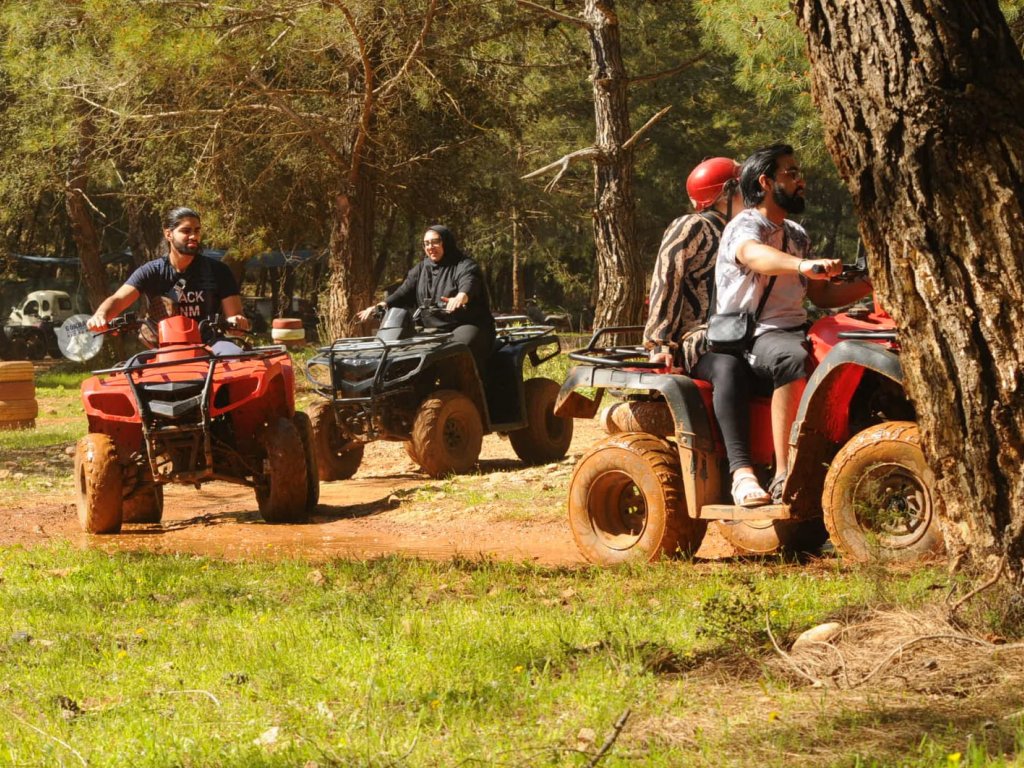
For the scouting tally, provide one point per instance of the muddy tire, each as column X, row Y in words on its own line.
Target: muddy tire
column 281, row 492
column 762, row 537
column 546, row 437
column 447, row 433
column 753, row 537
column 18, row 410
column 410, row 451
column 16, row 370
column 146, row 505
column 626, row 502
column 17, row 390
column 305, row 429
column 880, row 500
column 337, row 457
column 99, row 482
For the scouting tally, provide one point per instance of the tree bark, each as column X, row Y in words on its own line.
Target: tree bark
column 619, row 274
column 923, row 107
column 350, row 285
column 83, row 228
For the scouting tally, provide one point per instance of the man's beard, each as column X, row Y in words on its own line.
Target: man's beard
column 789, row 203
column 188, row 250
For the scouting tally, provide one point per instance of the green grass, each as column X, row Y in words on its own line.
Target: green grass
column 151, row 661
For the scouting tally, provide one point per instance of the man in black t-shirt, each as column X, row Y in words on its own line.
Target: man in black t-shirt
column 201, row 287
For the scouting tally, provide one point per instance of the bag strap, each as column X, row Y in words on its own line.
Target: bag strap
column 771, row 283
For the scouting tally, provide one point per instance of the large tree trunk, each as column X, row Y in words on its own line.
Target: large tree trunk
column 350, row 285
column 923, row 106
column 83, row 229
column 619, row 275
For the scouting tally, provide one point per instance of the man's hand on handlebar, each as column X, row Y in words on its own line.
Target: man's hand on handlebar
column 665, row 358
column 98, row 322
column 238, row 322
column 820, row 269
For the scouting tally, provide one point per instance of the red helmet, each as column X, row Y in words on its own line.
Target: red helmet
column 705, row 182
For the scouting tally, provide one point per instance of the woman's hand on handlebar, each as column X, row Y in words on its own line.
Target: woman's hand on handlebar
column 369, row 312
column 458, row 300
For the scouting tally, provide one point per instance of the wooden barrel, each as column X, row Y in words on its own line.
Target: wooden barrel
column 18, row 405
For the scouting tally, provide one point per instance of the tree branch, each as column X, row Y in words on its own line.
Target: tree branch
column 363, row 135
column 589, row 153
column 667, row 72
column 554, row 14
column 643, row 129
column 387, row 86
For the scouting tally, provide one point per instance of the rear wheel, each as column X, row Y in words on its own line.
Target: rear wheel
column 146, row 505
column 98, row 481
column 546, row 437
column 281, row 492
column 447, row 433
column 410, row 451
column 337, row 457
column 753, row 537
column 305, row 429
column 626, row 502
column 880, row 501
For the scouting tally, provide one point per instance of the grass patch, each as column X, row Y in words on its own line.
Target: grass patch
column 154, row 661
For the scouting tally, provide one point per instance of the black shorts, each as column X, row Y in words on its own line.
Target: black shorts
column 779, row 357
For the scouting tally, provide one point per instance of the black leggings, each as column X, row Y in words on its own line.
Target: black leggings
column 479, row 340
column 733, row 381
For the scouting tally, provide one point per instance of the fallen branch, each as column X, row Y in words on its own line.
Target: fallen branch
column 612, row 737
column 209, row 695
column 40, row 731
column 1000, row 570
column 916, row 641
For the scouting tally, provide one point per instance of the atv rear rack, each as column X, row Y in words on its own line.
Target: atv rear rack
column 613, row 355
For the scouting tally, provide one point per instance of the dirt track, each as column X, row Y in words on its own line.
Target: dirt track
column 507, row 512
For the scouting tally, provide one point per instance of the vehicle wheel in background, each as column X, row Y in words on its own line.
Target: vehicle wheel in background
column 546, row 437
column 337, row 457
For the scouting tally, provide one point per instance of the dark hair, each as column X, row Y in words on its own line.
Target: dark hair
column 174, row 216
column 762, row 161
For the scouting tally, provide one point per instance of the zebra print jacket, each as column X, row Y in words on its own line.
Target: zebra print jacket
column 683, row 279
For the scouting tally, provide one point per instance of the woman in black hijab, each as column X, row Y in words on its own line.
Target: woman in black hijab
column 447, row 275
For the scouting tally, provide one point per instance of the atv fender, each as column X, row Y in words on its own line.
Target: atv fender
column 823, row 418
column 694, row 437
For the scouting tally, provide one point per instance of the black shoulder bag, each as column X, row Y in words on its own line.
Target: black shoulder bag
column 733, row 332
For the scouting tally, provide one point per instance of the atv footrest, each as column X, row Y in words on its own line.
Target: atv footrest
column 732, row 512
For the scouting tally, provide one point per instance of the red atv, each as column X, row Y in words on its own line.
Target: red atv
column 180, row 413
column 651, row 487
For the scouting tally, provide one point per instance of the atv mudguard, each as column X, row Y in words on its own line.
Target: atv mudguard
column 693, row 431
column 823, row 418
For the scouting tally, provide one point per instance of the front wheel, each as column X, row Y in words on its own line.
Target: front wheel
column 546, row 437
column 880, row 500
column 281, row 491
column 447, row 433
column 305, row 429
column 99, row 482
column 626, row 502
column 337, row 457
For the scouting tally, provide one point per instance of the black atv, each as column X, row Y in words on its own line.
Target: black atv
column 423, row 388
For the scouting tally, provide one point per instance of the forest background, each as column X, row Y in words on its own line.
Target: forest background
column 345, row 129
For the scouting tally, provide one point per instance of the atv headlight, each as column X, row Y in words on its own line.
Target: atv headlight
column 354, row 369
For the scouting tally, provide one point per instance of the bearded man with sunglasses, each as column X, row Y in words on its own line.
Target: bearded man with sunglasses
column 762, row 251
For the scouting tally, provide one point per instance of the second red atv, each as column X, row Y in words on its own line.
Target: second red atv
column 180, row 413
column 857, row 469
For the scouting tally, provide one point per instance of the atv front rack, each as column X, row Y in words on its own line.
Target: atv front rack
column 163, row 432
column 611, row 355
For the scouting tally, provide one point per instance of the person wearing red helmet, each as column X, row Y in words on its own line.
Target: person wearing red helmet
column 680, row 300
